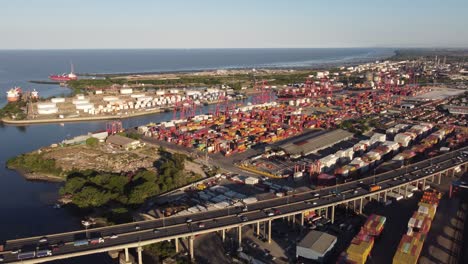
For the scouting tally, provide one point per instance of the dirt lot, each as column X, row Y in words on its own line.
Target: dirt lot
column 102, row 158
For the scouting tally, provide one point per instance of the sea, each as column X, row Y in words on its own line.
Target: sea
column 27, row 206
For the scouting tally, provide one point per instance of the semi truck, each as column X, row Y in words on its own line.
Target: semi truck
column 81, row 242
column 43, row 253
column 373, row 187
column 26, row 255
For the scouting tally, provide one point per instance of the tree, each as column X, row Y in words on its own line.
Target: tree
column 72, row 186
column 91, row 196
column 92, row 142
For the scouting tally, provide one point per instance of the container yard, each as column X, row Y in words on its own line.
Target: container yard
column 419, row 225
column 361, row 245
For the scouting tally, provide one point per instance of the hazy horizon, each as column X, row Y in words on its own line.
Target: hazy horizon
column 210, row 24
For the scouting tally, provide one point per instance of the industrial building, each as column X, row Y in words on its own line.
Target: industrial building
column 311, row 142
column 315, row 245
column 123, row 142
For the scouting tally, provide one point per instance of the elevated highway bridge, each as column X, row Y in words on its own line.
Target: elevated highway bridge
column 175, row 228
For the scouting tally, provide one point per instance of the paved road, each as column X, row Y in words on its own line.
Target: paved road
column 176, row 226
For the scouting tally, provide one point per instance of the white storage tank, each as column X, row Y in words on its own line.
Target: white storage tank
column 84, row 106
column 110, row 98
column 80, row 101
column 58, row 100
column 45, row 105
column 47, row 111
column 126, row 91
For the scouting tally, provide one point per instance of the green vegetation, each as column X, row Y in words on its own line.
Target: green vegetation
column 132, row 135
column 34, row 163
column 236, row 81
column 14, row 110
column 80, row 85
column 160, row 250
column 91, row 189
column 92, row 142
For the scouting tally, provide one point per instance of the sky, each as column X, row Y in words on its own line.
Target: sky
column 106, row 24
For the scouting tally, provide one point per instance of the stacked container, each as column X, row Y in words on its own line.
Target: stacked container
column 409, row 249
column 374, row 225
column 360, row 248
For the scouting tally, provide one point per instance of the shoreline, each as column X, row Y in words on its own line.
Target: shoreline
column 76, row 119
column 314, row 66
column 43, row 177
column 89, row 118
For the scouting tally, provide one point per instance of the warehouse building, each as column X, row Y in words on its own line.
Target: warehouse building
column 310, row 143
column 123, row 142
column 315, row 246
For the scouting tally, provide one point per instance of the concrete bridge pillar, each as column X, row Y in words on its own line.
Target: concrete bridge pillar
column 269, row 231
column 239, row 233
column 191, row 252
column 439, row 178
column 406, row 191
column 223, row 234
column 354, row 205
column 333, row 214
column 326, row 212
column 361, row 205
column 258, row 228
column 127, row 257
column 140, row 257
column 385, row 197
column 302, row 219
column 424, row 183
column 176, row 242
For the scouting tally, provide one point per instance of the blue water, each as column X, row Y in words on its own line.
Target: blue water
column 17, row 67
column 26, row 206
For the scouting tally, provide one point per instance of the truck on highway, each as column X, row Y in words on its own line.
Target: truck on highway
column 373, row 187
column 97, row 240
column 43, row 253
column 26, row 255
column 81, row 242
column 394, row 196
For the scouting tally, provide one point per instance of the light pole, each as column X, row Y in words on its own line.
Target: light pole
column 86, row 224
column 374, row 176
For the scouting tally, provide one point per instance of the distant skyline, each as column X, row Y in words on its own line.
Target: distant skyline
column 121, row 24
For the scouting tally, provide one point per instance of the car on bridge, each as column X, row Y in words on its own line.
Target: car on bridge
column 97, row 240
column 268, row 212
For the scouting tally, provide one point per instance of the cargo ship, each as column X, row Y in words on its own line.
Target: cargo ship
column 65, row 77
column 14, row 94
